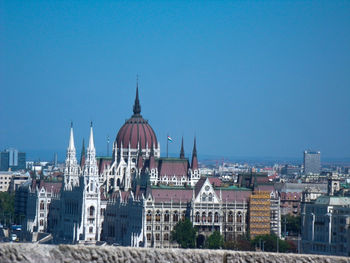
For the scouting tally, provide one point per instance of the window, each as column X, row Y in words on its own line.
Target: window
column 166, row 216
column 166, row 236
column 157, row 228
column 149, row 237
column 230, row 217
column 197, row 217
column 157, row 237
column 204, row 217
column 91, row 229
column 216, row 217
column 210, row 217
column 42, row 205
column 175, row 216
column 166, row 228
column 158, row 216
column 92, row 210
column 183, row 215
column 210, row 198
column 239, row 217
column 204, row 197
column 149, row 216
column 149, row 228
column 41, row 222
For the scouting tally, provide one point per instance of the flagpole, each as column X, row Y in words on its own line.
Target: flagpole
column 167, row 142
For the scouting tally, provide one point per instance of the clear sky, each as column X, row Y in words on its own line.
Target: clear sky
column 250, row 79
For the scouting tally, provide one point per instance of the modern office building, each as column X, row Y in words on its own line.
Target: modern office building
column 12, row 159
column 312, row 162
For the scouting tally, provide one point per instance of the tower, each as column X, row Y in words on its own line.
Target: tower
column 194, row 171
column 91, row 194
column 182, row 151
column 72, row 170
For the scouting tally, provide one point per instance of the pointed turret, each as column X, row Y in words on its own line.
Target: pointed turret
column 194, row 164
column 91, row 146
column 71, row 138
column 137, row 106
column 152, row 161
column 82, row 156
column 71, row 169
column 140, row 159
column 182, row 151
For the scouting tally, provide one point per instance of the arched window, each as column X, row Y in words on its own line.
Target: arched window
column 149, row 216
column 149, row 237
column 166, row 236
column 216, row 217
column 175, row 216
column 92, row 210
column 42, row 205
column 197, row 217
column 204, row 197
column 210, row 198
column 41, row 222
column 158, row 216
column 204, row 217
column 210, row 217
column 166, row 216
column 239, row 217
column 183, row 215
column 230, row 217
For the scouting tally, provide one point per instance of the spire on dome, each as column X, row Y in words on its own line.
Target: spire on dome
column 182, row 152
column 91, row 140
column 137, row 106
column 71, row 138
column 194, row 164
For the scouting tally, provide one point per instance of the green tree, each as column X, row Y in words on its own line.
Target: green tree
column 7, row 207
column 242, row 243
column 292, row 224
column 184, row 234
column 269, row 243
column 215, row 241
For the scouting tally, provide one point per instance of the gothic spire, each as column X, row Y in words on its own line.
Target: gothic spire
column 182, row 152
column 194, row 164
column 82, row 156
column 91, row 140
column 71, row 138
column 137, row 106
column 194, row 152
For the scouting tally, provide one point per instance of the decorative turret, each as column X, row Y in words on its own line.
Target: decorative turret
column 182, row 151
column 90, row 168
column 140, row 159
column 152, row 161
column 82, row 155
column 194, row 164
column 71, row 171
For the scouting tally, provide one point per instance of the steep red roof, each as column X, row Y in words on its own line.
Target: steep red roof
column 173, row 166
column 176, row 195
column 215, row 181
column 234, row 195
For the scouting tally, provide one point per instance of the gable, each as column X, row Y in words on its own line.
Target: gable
column 206, row 193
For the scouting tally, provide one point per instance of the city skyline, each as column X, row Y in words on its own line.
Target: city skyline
column 246, row 80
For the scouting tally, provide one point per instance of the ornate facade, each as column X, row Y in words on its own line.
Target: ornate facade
column 135, row 197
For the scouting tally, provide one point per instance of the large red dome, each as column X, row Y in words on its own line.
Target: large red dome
column 136, row 130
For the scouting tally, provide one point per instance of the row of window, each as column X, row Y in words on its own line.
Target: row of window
column 157, row 237
column 166, row 218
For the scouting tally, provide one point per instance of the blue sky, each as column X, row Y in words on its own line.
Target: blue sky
column 255, row 78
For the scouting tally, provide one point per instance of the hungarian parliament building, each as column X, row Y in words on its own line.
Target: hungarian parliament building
column 135, row 197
